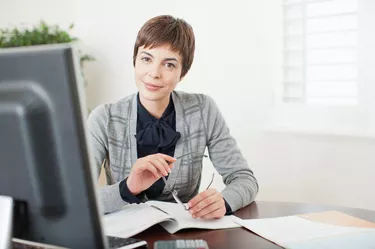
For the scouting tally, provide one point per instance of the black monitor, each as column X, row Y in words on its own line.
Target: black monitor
column 45, row 164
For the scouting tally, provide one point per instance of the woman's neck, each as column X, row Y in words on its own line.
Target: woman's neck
column 155, row 107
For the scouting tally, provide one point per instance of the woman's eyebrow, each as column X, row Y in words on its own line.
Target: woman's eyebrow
column 143, row 52
column 166, row 59
column 171, row 59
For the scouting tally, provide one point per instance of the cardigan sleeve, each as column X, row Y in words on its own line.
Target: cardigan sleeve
column 241, row 184
column 109, row 195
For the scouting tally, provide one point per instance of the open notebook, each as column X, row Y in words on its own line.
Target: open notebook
column 135, row 218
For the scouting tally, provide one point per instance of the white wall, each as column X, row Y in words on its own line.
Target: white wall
column 27, row 13
column 238, row 55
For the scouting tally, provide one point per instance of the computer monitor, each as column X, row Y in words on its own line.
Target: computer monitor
column 45, row 162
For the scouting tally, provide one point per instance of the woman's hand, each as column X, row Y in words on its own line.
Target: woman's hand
column 209, row 204
column 148, row 170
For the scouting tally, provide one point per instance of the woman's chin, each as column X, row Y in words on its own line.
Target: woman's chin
column 153, row 96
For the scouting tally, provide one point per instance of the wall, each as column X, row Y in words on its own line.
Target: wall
column 27, row 13
column 238, row 55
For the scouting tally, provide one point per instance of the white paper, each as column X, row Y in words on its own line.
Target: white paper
column 185, row 220
column 135, row 218
column 131, row 220
column 361, row 240
column 290, row 230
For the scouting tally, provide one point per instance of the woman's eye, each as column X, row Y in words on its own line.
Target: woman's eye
column 170, row 65
column 146, row 59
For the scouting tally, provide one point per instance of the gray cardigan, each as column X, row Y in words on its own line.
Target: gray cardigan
column 112, row 128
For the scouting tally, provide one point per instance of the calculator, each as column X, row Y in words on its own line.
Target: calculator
column 181, row 244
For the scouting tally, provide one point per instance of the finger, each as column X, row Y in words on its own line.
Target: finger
column 167, row 158
column 218, row 213
column 158, row 165
column 163, row 162
column 150, row 167
column 205, row 203
column 217, row 204
column 197, row 199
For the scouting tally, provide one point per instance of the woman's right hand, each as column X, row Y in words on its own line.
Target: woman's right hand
column 148, row 170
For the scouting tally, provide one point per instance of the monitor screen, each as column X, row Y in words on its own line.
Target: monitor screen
column 45, row 162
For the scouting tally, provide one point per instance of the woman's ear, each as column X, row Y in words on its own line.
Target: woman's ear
column 181, row 78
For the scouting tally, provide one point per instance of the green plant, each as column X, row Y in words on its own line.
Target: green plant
column 38, row 35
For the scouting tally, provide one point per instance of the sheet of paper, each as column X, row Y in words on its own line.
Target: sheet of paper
column 294, row 229
column 186, row 221
column 363, row 240
column 131, row 220
column 335, row 217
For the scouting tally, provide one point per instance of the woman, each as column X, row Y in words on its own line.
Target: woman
column 142, row 135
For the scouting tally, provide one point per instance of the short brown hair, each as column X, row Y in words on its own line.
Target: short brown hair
column 167, row 30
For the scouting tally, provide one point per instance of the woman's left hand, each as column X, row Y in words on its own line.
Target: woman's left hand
column 209, row 204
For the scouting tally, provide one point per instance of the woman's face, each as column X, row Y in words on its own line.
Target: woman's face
column 157, row 72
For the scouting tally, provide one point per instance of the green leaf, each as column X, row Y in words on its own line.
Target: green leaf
column 42, row 33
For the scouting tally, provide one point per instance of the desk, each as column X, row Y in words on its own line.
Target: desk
column 242, row 238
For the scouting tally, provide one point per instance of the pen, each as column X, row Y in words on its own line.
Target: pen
column 165, row 180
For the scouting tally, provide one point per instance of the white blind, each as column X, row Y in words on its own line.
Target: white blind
column 321, row 51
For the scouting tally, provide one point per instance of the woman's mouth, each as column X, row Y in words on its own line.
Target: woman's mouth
column 152, row 87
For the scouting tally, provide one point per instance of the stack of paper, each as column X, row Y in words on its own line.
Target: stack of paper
column 324, row 230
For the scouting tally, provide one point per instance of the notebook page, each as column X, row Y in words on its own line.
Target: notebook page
column 186, row 221
column 131, row 220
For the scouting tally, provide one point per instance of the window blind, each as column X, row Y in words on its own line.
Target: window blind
column 321, row 52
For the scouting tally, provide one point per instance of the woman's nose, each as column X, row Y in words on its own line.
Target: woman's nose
column 154, row 71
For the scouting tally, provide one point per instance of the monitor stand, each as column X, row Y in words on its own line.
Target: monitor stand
column 20, row 219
